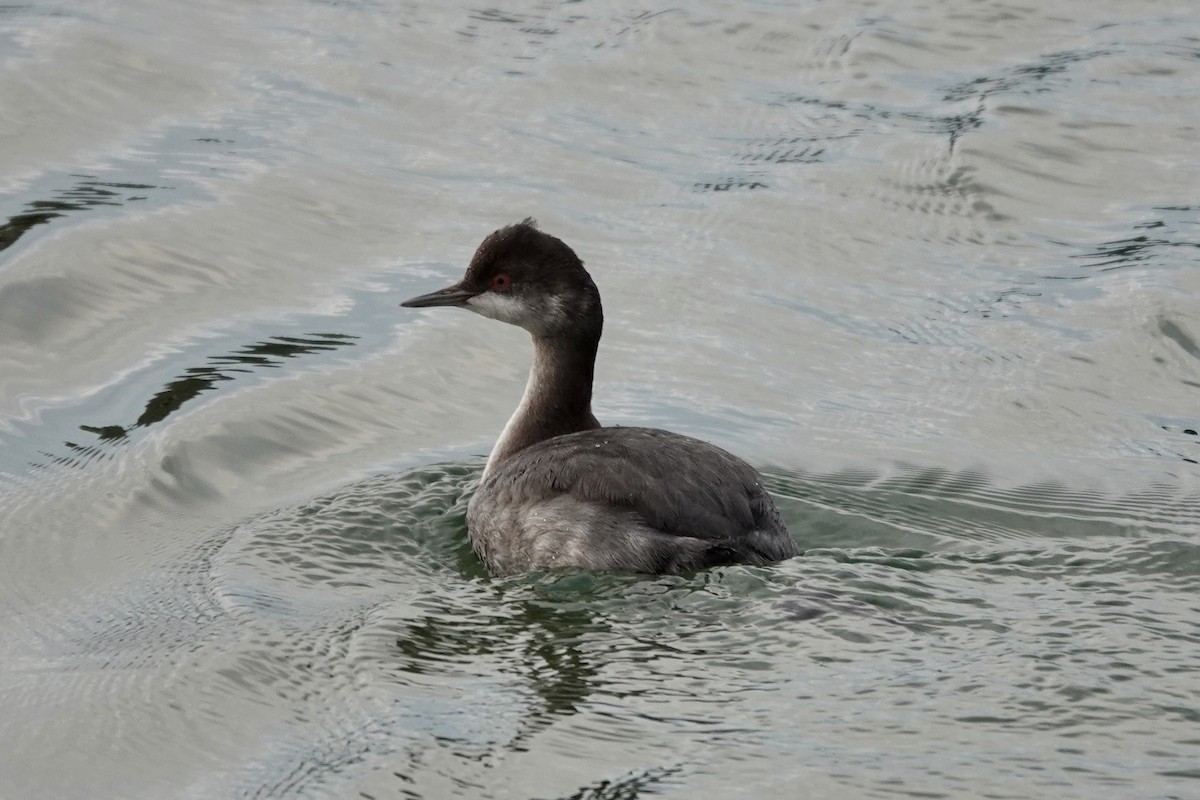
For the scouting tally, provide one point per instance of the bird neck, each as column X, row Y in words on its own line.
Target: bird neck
column 558, row 396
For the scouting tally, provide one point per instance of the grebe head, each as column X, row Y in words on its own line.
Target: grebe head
column 527, row 278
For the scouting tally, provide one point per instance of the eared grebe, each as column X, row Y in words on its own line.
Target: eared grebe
column 561, row 491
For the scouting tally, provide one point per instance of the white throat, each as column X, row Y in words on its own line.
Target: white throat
column 537, row 376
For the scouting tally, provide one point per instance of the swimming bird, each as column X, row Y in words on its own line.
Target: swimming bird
column 560, row 490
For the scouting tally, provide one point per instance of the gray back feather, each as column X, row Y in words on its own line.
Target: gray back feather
column 674, row 488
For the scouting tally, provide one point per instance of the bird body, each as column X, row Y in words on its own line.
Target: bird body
column 560, row 490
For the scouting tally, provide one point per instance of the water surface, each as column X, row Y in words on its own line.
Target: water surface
column 931, row 268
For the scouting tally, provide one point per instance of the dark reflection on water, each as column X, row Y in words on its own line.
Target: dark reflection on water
column 86, row 194
column 1034, row 78
column 794, row 150
column 538, row 639
column 266, row 354
column 1142, row 249
column 642, row 783
column 847, row 121
column 747, row 183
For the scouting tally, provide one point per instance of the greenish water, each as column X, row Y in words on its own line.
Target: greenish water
column 995, row 640
column 932, row 268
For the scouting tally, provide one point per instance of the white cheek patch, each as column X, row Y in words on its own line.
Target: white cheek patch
column 503, row 307
column 542, row 317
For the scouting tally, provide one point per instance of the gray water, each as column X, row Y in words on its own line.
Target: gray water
column 933, row 268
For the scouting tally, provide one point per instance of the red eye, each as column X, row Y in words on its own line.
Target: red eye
column 501, row 282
